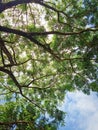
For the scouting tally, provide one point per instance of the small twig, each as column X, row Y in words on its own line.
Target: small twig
column 34, row 103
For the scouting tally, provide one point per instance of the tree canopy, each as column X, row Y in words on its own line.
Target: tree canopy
column 47, row 47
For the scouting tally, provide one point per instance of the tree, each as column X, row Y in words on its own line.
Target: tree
column 46, row 48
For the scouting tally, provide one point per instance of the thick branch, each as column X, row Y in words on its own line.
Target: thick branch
column 32, row 39
column 28, row 36
column 7, row 53
column 4, row 6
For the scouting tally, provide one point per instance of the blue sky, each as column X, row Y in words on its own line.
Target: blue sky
column 82, row 111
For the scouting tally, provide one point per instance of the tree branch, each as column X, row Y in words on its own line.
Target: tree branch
column 15, row 122
column 33, row 102
column 4, row 6
column 63, row 33
column 7, row 53
column 19, row 86
column 32, row 39
column 12, row 77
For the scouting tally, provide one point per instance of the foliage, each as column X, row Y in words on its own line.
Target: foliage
column 46, row 49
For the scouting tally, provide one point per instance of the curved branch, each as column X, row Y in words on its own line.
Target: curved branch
column 4, row 6
column 29, row 37
column 53, row 9
column 32, row 39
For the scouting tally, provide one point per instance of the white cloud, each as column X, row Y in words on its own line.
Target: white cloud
column 82, row 111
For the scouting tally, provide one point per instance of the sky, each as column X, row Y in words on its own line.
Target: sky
column 82, row 111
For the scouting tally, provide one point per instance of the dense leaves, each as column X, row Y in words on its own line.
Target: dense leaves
column 46, row 49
